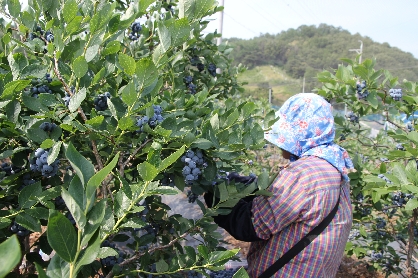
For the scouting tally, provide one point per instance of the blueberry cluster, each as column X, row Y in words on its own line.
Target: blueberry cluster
column 396, row 94
column 153, row 121
column 362, row 92
column 19, row 230
column 399, row 198
column 167, row 180
column 9, row 169
column 27, row 180
column 152, row 229
column 360, row 197
column 400, row 147
column 188, row 80
column 135, row 31
column 100, row 102
column 383, row 177
column 386, row 210
column 39, row 163
column 383, row 159
column 48, row 34
column 110, row 261
column 226, row 273
column 212, row 69
column 380, row 223
column 352, row 117
column 365, row 211
column 194, row 274
column 71, row 218
column 353, row 234
column 47, row 126
column 67, row 96
column 375, row 256
column 192, row 197
column 41, row 87
column 60, row 203
column 409, row 127
column 193, row 161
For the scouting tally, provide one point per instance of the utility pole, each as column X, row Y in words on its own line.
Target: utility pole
column 359, row 50
column 221, row 23
column 303, row 85
column 270, row 92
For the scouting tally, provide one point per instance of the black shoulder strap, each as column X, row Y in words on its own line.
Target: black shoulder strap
column 298, row 247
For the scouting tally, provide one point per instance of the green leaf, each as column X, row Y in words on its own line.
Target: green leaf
column 195, row 9
column 171, row 159
column 134, row 223
column 74, row 209
column 77, row 99
column 220, row 256
column 127, row 63
column 27, row 194
column 34, row 70
column 11, row 247
column 14, row 7
column 247, row 109
column 164, row 190
column 165, row 37
column 40, row 270
column 161, row 266
column 180, row 31
column 94, row 219
column 95, row 181
column 58, row 268
column 202, row 143
column 129, row 94
column 83, row 168
column 147, row 171
column 90, row 253
column 46, row 144
column 13, row 110
column 12, row 87
column 399, row 172
column 126, row 123
column 29, row 222
column 54, row 152
column 146, row 72
column 121, row 204
column 241, row 273
column 80, row 66
column 111, row 48
column 70, row 10
column 62, row 236
column 105, row 252
column 411, row 204
column 263, row 180
column 203, row 251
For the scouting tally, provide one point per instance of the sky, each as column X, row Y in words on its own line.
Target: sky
column 394, row 22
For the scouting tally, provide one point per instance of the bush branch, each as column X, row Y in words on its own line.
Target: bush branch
column 140, row 254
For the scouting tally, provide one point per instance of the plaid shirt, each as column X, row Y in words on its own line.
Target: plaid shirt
column 304, row 193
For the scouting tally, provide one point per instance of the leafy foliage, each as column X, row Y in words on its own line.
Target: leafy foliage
column 385, row 186
column 75, row 79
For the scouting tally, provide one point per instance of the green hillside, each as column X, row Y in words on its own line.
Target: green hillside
column 281, row 61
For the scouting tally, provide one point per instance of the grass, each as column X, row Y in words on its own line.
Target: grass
column 261, row 78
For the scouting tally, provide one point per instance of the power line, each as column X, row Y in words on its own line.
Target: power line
column 242, row 24
column 263, row 15
column 295, row 11
column 309, row 10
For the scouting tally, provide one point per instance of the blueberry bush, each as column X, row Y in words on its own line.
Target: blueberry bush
column 385, row 184
column 105, row 107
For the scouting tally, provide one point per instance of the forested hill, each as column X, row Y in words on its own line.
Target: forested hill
column 307, row 50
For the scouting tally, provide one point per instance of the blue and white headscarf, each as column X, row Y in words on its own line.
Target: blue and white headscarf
column 306, row 127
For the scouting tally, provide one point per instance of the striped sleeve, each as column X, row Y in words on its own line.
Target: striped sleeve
column 272, row 214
